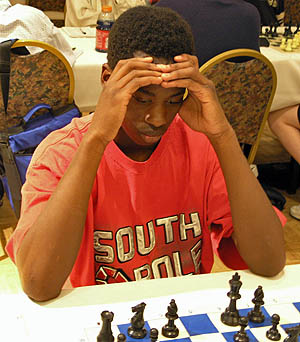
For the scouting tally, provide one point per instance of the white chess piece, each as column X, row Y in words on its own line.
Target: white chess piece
column 288, row 47
column 294, row 43
column 283, row 43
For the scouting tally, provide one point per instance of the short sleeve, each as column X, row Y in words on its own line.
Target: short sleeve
column 46, row 168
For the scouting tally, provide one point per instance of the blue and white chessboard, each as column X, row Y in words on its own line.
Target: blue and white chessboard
column 208, row 326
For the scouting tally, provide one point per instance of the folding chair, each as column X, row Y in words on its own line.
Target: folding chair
column 245, row 91
column 44, row 77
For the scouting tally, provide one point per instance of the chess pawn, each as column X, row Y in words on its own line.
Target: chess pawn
column 241, row 336
column 273, row 333
column 153, row 334
column 288, row 47
column 294, row 43
column 121, row 338
column 283, row 43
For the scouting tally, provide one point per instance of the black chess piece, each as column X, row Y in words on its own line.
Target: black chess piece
column 170, row 330
column 293, row 333
column 288, row 32
column 256, row 314
column 273, row 333
column 231, row 315
column 268, row 31
column 153, row 334
column 275, row 33
column 137, row 330
column 241, row 335
column 121, row 338
column 105, row 334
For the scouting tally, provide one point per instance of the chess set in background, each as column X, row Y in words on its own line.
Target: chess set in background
column 287, row 41
column 259, row 323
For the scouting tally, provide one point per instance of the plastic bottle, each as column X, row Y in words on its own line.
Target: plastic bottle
column 104, row 24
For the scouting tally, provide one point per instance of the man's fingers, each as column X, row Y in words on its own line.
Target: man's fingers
column 125, row 66
column 137, row 74
column 136, row 83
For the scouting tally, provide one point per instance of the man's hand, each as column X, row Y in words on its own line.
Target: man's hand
column 201, row 110
column 126, row 78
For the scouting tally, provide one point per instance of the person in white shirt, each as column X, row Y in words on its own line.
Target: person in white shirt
column 26, row 22
column 82, row 13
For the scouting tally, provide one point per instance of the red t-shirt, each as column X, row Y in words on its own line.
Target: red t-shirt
column 145, row 219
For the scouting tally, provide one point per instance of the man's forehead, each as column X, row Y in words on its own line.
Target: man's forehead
column 156, row 60
column 153, row 89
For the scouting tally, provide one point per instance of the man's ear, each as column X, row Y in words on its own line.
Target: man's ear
column 106, row 72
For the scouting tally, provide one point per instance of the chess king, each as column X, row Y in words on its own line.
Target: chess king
column 151, row 184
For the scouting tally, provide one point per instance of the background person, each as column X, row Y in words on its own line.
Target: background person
column 218, row 25
column 26, row 22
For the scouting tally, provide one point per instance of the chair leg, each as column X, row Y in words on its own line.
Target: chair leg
column 294, row 177
column 3, row 244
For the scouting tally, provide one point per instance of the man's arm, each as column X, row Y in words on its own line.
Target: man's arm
column 50, row 247
column 258, row 232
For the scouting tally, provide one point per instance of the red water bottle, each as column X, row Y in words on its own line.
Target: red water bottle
column 104, row 24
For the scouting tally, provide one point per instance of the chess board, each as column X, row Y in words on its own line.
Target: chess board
column 76, row 315
column 197, row 325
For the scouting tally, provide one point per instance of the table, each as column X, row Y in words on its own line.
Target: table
column 287, row 66
column 87, row 71
column 73, row 316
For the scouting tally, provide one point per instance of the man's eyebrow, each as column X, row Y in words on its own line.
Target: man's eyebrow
column 141, row 90
column 181, row 92
column 147, row 92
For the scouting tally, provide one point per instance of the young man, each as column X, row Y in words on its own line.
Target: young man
column 131, row 191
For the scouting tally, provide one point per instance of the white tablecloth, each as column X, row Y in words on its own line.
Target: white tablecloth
column 287, row 66
column 87, row 71
column 74, row 314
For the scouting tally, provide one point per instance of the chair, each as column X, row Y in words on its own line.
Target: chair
column 44, row 77
column 54, row 9
column 245, row 90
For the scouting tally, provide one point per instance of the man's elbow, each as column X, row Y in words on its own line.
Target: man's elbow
column 37, row 290
column 271, row 268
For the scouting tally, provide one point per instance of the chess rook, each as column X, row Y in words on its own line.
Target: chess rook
column 105, row 334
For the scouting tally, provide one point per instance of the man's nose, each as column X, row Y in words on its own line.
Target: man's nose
column 157, row 116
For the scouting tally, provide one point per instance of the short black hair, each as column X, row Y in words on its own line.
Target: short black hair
column 157, row 31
